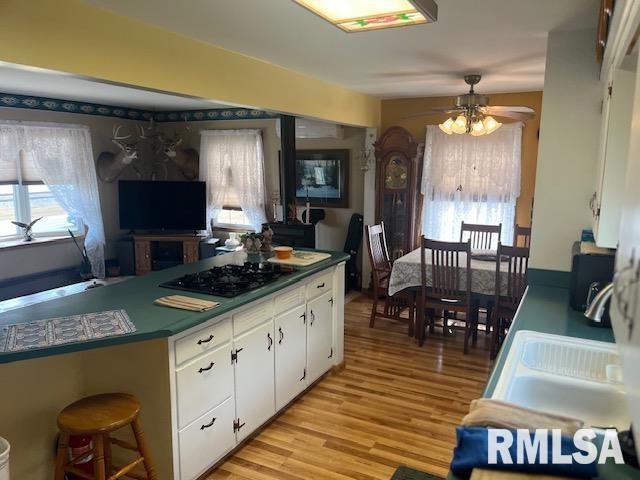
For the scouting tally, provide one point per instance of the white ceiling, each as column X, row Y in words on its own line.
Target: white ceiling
column 505, row 40
column 47, row 83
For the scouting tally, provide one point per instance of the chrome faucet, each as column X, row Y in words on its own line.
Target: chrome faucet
column 595, row 308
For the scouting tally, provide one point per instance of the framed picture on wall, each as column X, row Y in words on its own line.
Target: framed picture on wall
column 322, row 176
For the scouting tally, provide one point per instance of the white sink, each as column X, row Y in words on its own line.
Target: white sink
column 567, row 376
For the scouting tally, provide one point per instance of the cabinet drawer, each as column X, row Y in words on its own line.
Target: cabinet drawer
column 203, row 384
column 320, row 285
column 252, row 317
column 289, row 300
column 203, row 340
column 205, row 441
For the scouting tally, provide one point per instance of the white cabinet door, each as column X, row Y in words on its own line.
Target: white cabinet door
column 625, row 304
column 206, row 440
column 319, row 336
column 254, row 378
column 291, row 355
column 607, row 206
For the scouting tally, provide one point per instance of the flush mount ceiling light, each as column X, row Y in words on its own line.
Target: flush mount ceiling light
column 363, row 15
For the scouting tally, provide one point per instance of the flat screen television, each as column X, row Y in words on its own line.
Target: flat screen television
column 147, row 205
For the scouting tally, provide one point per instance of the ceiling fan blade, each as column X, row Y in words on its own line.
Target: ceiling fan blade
column 515, row 108
column 513, row 115
column 511, row 111
column 435, row 111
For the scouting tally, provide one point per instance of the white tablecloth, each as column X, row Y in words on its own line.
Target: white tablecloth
column 406, row 273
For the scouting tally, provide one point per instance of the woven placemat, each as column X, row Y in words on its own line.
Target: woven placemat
column 406, row 473
column 61, row 330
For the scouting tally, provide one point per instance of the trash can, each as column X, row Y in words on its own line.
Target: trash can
column 4, row 459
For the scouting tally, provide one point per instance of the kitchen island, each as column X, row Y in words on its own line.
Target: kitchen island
column 240, row 364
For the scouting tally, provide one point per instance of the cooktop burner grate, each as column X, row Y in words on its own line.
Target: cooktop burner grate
column 229, row 280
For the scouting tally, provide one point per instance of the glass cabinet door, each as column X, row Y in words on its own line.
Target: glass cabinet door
column 394, row 204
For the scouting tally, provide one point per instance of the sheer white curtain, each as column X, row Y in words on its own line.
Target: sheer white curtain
column 234, row 158
column 475, row 179
column 64, row 158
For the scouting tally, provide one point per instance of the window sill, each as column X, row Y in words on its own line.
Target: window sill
column 37, row 241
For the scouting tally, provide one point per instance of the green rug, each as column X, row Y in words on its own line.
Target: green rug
column 406, row 473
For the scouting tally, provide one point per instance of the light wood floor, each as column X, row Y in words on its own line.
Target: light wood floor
column 393, row 404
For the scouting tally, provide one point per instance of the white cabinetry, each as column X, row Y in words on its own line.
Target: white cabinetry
column 203, row 384
column 229, row 376
column 206, row 440
column 291, row 355
column 319, row 336
column 606, row 205
column 254, row 379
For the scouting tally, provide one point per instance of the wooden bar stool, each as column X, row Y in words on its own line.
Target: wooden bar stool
column 97, row 416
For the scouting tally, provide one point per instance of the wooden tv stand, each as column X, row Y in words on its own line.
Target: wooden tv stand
column 144, row 251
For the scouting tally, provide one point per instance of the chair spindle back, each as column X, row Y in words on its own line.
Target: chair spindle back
column 482, row 237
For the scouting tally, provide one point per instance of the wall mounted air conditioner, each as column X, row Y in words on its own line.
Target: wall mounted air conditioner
column 315, row 129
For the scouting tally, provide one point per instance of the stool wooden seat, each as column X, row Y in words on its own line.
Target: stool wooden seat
column 98, row 416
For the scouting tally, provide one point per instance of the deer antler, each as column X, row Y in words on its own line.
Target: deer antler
column 116, row 129
column 142, row 135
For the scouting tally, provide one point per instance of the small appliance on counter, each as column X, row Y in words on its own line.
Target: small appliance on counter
column 591, row 270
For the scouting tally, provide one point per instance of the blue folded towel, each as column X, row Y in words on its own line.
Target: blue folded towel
column 473, row 451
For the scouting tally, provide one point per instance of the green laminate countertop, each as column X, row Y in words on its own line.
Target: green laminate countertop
column 136, row 297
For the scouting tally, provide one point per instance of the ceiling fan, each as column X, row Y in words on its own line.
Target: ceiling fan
column 473, row 114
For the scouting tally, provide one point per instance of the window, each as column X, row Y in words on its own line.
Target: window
column 233, row 167
column 48, row 170
column 470, row 179
column 231, row 215
column 25, row 203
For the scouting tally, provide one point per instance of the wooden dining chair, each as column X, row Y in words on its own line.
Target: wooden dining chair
column 446, row 290
column 394, row 305
column 509, row 290
column 482, row 237
column 524, row 233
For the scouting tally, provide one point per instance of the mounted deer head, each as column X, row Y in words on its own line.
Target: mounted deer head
column 186, row 159
column 111, row 165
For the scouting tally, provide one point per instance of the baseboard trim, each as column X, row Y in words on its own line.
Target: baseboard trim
column 338, row 368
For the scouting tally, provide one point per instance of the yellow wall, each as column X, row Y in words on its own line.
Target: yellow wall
column 72, row 36
column 394, row 110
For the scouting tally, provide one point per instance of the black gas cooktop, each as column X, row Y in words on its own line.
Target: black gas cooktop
column 229, row 280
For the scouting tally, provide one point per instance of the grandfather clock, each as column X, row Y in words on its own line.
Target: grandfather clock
column 396, row 189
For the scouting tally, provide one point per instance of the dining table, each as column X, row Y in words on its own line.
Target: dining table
column 406, row 273
column 406, row 276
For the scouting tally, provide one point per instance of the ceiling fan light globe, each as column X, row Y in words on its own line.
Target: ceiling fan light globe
column 446, row 130
column 446, row 126
column 460, row 125
column 491, row 124
column 477, row 129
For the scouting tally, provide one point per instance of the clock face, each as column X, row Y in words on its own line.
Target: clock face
column 395, row 176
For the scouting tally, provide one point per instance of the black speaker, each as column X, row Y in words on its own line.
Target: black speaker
column 126, row 257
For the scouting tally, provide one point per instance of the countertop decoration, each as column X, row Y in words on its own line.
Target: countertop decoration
column 61, row 330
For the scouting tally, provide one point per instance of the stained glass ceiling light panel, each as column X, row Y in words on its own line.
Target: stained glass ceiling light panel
column 363, row 15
